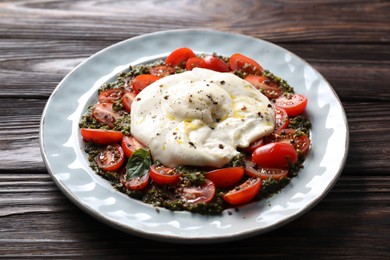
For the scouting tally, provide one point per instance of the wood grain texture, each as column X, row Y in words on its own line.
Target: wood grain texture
column 281, row 21
column 34, row 73
column 346, row 41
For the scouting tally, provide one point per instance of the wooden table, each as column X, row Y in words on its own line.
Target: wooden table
column 347, row 41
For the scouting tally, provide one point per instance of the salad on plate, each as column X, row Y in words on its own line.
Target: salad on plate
column 197, row 132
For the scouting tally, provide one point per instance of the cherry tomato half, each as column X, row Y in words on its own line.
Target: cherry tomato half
column 225, row 177
column 104, row 113
column 179, row 57
column 164, row 175
column 214, row 63
column 130, row 145
column 197, row 194
column 243, row 193
column 193, row 63
column 240, row 62
column 264, row 173
column 300, row 141
column 110, row 95
column 101, row 136
column 127, row 100
column 267, row 87
column 281, row 119
column 142, row 81
column 161, row 71
column 138, row 183
column 111, row 158
column 275, row 155
column 294, row 104
column 253, row 146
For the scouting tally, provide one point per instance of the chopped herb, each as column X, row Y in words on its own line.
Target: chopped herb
column 168, row 196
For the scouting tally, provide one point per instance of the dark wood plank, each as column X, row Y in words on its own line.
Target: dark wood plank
column 19, row 134
column 369, row 138
column 35, row 71
column 346, row 21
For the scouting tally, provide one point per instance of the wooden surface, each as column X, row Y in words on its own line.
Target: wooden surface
column 347, row 41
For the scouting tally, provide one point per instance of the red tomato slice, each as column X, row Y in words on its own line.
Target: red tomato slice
column 268, row 88
column 161, row 71
column 164, row 175
column 275, row 155
column 110, row 95
column 111, row 158
column 138, row 183
column 243, row 193
column 294, row 104
column 214, row 63
column 179, row 57
column 225, row 177
column 193, row 63
column 301, row 142
column 197, row 194
column 130, row 145
column 240, row 62
column 281, row 119
column 253, row 146
column 101, row 136
column 127, row 100
column 264, row 173
column 142, row 81
column 104, row 113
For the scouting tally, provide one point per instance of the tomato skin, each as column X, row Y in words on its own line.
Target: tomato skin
column 252, row 146
column 268, row 88
column 111, row 158
column 294, row 104
column 281, row 119
column 127, row 100
column 110, row 95
column 264, row 173
column 214, row 63
column 161, row 71
column 101, row 136
column 138, row 183
column 275, row 155
column 130, row 145
column 243, row 193
column 194, row 62
column 142, row 81
column 300, row 142
column 179, row 57
column 201, row 194
column 164, row 175
column 225, row 177
column 104, row 113
column 240, row 62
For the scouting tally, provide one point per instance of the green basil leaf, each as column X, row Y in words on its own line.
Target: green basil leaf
column 138, row 164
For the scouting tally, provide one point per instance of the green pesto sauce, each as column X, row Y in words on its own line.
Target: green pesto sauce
column 281, row 82
column 167, row 196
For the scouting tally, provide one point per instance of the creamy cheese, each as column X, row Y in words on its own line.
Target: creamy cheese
column 200, row 117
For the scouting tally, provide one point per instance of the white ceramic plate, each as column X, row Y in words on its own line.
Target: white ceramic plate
column 62, row 151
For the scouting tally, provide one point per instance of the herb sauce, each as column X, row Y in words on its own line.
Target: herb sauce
column 167, row 196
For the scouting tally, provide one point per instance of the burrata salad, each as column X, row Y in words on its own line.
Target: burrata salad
column 197, row 132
